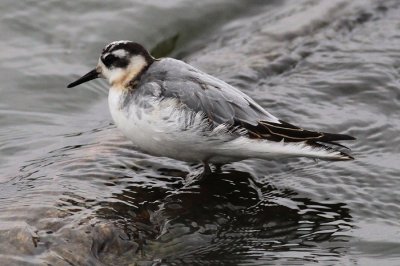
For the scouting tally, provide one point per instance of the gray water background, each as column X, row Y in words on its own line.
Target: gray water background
column 73, row 190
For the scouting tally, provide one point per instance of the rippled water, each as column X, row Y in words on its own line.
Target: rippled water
column 73, row 190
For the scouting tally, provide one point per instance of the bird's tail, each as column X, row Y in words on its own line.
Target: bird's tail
column 288, row 140
column 332, row 151
column 243, row 148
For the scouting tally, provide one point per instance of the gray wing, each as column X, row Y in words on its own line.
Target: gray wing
column 219, row 101
column 224, row 104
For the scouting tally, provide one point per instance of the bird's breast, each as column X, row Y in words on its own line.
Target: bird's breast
column 159, row 127
column 136, row 122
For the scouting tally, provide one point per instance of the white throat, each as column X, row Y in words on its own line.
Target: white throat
column 120, row 77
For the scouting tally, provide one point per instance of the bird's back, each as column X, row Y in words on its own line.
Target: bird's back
column 201, row 92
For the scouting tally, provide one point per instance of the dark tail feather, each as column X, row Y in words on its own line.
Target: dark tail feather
column 329, row 137
column 292, row 133
column 331, row 146
column 335, row 144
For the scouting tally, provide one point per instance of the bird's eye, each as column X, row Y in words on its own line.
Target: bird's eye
column 109, row 60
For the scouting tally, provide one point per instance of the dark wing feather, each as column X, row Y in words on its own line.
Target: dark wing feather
column 289, row 132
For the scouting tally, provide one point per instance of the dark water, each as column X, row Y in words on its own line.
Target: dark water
column 73, row 190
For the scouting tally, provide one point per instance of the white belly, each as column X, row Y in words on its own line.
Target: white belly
column 163, row 130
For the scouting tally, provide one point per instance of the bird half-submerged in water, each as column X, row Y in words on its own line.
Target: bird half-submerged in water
column 169, row 108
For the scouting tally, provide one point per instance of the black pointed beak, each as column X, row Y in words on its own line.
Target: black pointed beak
column 88, row 77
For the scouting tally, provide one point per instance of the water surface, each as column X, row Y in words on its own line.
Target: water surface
column 74, row 191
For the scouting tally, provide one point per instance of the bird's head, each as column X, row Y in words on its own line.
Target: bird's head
column 119, row 63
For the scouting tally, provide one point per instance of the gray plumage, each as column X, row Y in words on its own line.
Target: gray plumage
column 200, row 92
column 169, row 108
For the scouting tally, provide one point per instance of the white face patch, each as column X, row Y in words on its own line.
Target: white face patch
column 122, row 75
column 121, row 53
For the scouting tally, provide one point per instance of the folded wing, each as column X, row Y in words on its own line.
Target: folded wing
column 224, row 104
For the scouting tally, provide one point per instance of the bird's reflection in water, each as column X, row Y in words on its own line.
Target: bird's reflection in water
column 229, row 216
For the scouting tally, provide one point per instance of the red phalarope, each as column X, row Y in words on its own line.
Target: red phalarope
column 169, row 108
